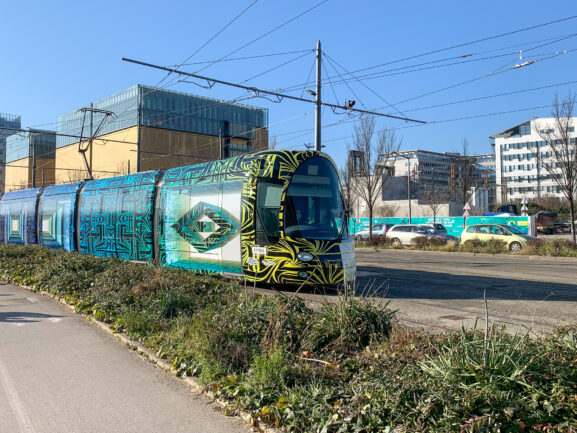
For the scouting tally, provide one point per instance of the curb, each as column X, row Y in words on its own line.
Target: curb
column 445, row 253
column 148, row 355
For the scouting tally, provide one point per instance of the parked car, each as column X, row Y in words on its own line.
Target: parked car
column 514, row 238
column 443, row 236
column 379, row 232
column 405, row 234
column 437, row 226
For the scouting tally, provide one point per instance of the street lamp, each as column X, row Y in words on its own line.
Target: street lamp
column 408, row 158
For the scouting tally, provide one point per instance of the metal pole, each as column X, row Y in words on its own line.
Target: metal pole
column 33, row 151
column 138, row 127
column 409, row 188
column 318, row 101
column 220, row 143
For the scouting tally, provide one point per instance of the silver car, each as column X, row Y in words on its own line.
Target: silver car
column 405, row 234
column 379, row 232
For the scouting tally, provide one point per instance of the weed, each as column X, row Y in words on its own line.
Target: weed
column 348, row 325
column 491, row 246
column 271, row 369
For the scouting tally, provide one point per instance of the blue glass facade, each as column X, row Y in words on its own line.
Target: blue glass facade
column 19, row 146
column 9, row 121
column 164, row 109
column 124, row 105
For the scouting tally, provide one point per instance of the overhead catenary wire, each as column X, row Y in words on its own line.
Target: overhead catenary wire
column 403, row 69
column 267, row 92
column 213, row 37
column 260, row 56
column 264, row 35
column 364, row 85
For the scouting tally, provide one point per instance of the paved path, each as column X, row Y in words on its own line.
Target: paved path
column 446, row 289
column 59, row 373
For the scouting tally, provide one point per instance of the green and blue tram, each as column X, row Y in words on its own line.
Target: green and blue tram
column 272, row 217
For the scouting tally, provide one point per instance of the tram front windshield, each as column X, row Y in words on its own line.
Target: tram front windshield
column 313, row 203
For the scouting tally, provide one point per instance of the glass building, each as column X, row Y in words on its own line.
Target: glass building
column 30, row 159
column 6, row 121
column 145, row 128
column 148, row 106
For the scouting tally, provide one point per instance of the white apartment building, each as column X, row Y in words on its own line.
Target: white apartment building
column 518, row 154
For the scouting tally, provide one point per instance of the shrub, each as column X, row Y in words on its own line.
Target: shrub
column 491, row 246
column 421, row 242
column 379, row 241
column 271, row 369
column 348, row 325
column 558, row 248
column 228, row 336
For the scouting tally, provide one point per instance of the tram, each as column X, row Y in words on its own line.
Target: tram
column 272, row 217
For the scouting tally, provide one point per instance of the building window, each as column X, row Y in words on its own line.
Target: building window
column 525, row 129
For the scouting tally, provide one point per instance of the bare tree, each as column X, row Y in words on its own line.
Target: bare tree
column 562, row 163
column 366, row 169
column 434, row 201
column 387, row 210
column 462, row 174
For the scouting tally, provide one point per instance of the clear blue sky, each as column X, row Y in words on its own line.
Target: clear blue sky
column 59, row 56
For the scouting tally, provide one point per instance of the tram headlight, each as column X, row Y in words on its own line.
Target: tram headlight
column 303, row 256
column 303, row 275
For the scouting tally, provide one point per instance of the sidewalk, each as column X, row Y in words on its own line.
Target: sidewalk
column 59, row 373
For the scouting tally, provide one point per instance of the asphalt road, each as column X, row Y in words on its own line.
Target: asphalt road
column 59, row 373
column 445, row 290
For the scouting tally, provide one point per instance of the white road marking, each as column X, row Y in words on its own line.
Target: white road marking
column 14, row 399
column 55, row 319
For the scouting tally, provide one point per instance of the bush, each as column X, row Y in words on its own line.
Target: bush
column 551, row 247
column 379, row 241
column 228, row 336
column 491, row 246
column 421, row 242
column 363, row 372
column 271, row 369
column 348, row 325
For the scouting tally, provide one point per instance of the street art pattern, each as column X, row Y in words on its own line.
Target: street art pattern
column 116, row 217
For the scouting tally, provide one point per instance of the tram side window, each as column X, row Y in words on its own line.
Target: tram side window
column 268, row 197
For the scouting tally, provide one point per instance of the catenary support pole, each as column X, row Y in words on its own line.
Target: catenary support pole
column 318, row 102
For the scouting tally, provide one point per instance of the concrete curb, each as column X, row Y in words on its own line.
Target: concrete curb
column 512, row 256
column 148, row 355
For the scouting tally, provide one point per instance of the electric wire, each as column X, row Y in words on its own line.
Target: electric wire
column 246, row 58
column 346, row 83
column 213, row 37
column 264, row 35
column 378, row 74
column 275, row 68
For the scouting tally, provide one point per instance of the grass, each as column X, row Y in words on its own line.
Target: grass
column 539, row 247
column 346, row 367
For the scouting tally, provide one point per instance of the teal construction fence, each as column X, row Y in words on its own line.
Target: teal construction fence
column 454, row 225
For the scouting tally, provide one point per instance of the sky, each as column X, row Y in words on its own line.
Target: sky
column 448, row 63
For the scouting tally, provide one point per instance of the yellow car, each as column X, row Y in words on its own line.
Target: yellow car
column 514, row 238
